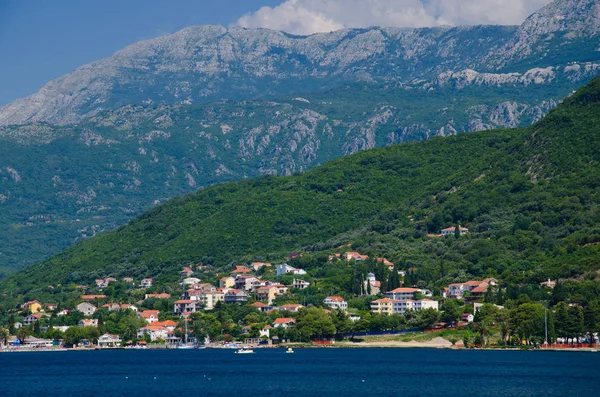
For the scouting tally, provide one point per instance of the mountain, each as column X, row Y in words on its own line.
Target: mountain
column 168, row 116
column 200, row 64
column 529, row 197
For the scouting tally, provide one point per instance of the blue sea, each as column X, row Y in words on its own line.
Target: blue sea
column 307, row 372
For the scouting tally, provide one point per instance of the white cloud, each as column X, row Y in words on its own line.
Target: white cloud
column 312, row 16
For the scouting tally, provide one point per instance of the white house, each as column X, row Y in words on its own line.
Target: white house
column 336, row 302
column 402, row 293
column 108, row 340
column 300, row 284
column 151, row 316
column 284, row 268
column 393, row 306
column 86, row 308
column 146, row 283
column 449, row 231
column 284, row 322
column 154, row 331
column 190, row 281
column 88, row 322
column 185, row 306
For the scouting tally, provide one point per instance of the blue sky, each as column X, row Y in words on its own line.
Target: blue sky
column 42, row 40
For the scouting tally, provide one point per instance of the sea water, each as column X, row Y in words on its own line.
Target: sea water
column 307, row 372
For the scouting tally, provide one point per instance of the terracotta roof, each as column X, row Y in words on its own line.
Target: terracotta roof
column 384, row 300
column 284, row 320
column 398, row 290
column 258, row 304
column 148, row 313
column 480, row 289
column 183, row 301
column 336, row 298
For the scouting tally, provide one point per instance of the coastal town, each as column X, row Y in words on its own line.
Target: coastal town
column 264, row 304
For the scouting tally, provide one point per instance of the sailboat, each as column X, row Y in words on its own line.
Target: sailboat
column 186, row 344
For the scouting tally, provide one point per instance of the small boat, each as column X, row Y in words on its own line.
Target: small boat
column 289, row 350
column 185, row 346
column 244, row 350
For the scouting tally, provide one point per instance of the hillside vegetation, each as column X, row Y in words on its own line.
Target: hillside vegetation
column 529, row 197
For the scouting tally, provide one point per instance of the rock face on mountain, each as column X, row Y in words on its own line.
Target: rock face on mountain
column 200, row 64
column 167, row 116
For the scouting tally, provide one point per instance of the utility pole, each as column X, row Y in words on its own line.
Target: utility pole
column 546, row 325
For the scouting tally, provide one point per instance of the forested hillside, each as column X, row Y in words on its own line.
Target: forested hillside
column 530, row 198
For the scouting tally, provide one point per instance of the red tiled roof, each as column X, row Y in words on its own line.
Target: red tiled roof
column 183, row 301
column 284, row 320
column 384, row 300
column 148, row 313
column 336, row 298
column 258, row 304
column 397, row 290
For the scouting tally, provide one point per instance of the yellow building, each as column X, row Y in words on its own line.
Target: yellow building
column 33, row 306
column 383, row 306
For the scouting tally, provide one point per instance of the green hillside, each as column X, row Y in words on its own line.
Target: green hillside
column 530, row 198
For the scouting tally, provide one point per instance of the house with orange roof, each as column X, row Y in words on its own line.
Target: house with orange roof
column 235, row 296
column 353, row 255
column 244, row 281
column 449, row 231
column 127, row 306
column 400, row 306
column 257, row 265
column 383, row 306
column 387, row 263
column 336, row 302
column 227, row 282
column 109, row 340
column 241, row 269
column 334, row 257
column 51, row 306
column 186, row 272
column 150, row 316
column 86, row 308
column 291, row 307
column 156, row 332
column 402, row 293
column 88, row 322
column 263, row 307
column 186, row 306
column 268, row 293
column 207, row 299
column 167, row 323
column 92, row 297
column 158, row 296
column 33, row 306
column 284, row 322
column 32, row 318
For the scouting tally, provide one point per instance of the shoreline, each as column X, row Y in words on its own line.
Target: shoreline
column 436, row 343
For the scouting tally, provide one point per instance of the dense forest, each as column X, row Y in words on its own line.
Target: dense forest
column 529, row 198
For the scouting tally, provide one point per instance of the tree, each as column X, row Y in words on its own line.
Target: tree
column 451, row 311
column 591, row 319
column 341, row 322
column 3, row 336
column 484, row 321
column 22, row 334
